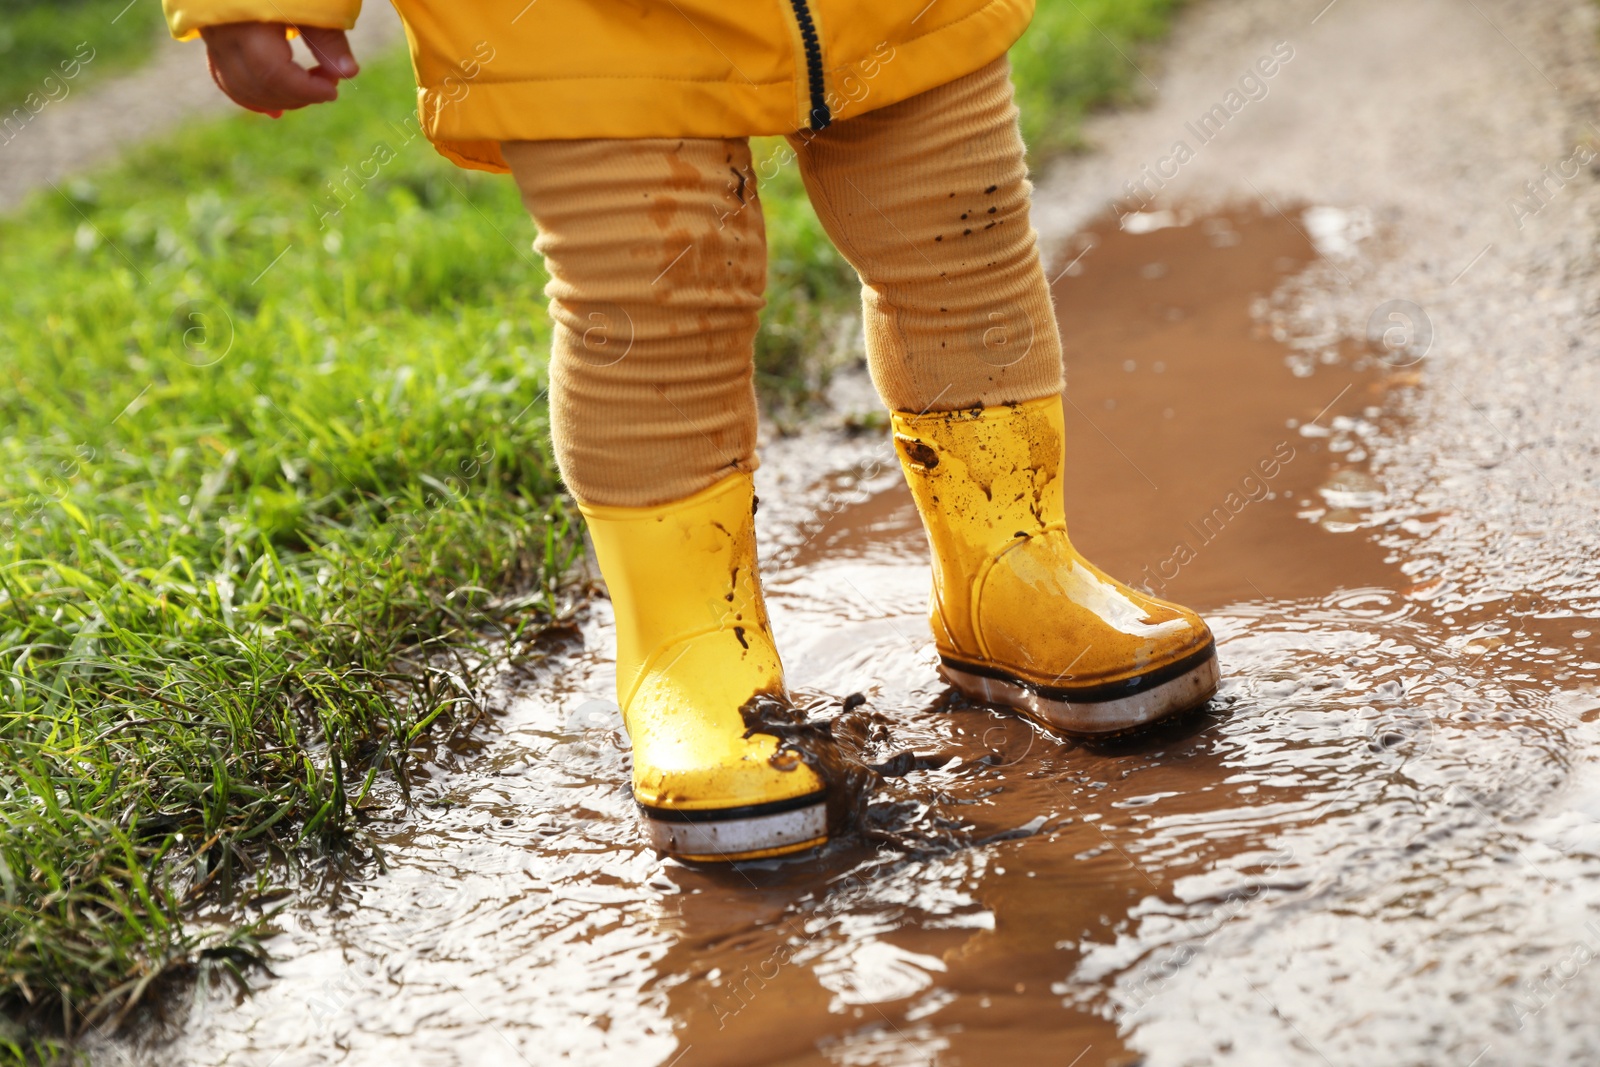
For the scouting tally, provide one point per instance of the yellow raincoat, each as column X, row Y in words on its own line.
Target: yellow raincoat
column 527, row 70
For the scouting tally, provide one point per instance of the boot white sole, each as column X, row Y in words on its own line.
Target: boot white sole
column 725, row 835
column 1098, row 710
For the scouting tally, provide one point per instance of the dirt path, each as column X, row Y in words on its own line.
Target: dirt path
column 1380, row 845
column 1421, row 124
column 1425, row 121
column 90, row 128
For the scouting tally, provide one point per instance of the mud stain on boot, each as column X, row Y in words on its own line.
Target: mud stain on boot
column 801, row 737
column 850, row 747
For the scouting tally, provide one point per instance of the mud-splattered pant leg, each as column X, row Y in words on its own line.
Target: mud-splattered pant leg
column 657, row 258
column 928, row 199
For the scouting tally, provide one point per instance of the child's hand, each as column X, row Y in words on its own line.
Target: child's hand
column 251, row 62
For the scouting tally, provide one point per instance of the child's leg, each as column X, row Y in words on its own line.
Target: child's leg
column 928, row 198
column 657, row 259
column 657, row 262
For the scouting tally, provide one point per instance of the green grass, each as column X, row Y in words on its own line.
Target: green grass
column 265, row 486
column 48, row 51
column 1079, row 55
column 272, row 495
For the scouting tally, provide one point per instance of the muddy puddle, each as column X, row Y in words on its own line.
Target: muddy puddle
column 1380, row 843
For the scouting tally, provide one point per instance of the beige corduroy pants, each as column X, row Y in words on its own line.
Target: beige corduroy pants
column 657, row 256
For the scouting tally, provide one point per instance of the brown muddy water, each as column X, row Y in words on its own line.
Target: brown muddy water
column 1379, row 844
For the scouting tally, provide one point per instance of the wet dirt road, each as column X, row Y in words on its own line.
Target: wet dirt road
column 1381, row 842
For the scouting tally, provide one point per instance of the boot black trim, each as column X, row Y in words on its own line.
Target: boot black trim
column 745, row 811
column 1093, row 694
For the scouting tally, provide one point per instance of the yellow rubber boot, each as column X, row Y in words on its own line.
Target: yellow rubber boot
column 1019, row 617
column 693, row 645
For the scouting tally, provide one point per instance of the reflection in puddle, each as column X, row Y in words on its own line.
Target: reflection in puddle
column 1379, row 844
column 1196, row 438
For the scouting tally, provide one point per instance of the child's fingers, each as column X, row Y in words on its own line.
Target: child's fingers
column 290, row 85
column 253, row 64
column 332, row 51
column 276, row 90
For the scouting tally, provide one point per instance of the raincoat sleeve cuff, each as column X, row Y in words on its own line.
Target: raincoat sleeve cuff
column 185, row 18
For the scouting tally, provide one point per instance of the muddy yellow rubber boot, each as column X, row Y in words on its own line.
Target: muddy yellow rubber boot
column 1019, row 617
column 693, row 645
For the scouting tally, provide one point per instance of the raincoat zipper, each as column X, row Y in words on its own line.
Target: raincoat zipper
column 820, row 115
